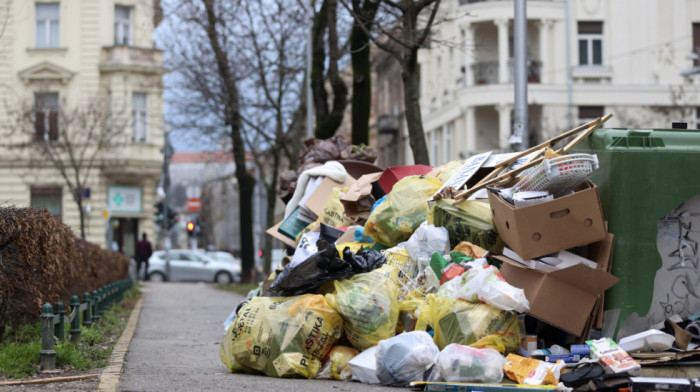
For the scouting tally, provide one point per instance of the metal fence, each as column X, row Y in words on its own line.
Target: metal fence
column 53, row 325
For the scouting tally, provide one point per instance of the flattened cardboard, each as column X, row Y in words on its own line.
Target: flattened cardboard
column 541, row 229
column 564, row 298
column 273, row 231
column 318, row 198
column 393, row 174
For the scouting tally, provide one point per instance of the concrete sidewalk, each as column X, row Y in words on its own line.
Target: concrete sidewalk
column 176, row 343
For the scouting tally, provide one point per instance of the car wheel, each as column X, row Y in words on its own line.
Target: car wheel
column 223, row 278
column 156, row 277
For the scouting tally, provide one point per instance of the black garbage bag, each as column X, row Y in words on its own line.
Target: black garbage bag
column 323, row 266
column 319, row 268
column 364, row 260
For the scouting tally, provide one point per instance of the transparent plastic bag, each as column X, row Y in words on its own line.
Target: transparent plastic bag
column 405, row 358
column 368, row 303
column 426, row 240
column 475, row 325
column 403, row 211
column 486, row 285
column 458, row 363
column 281, row 336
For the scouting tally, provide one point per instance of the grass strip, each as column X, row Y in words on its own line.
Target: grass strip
column 19, row 352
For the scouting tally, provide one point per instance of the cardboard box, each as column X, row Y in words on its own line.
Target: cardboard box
column 360, row 198
column 317, row 200
column 314, row 203
column 541, row 229
column 564, row 298
column 393, row 174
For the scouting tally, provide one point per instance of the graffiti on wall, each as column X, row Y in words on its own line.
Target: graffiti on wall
column 677, row 282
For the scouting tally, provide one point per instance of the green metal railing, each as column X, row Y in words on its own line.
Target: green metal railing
column 53, row 325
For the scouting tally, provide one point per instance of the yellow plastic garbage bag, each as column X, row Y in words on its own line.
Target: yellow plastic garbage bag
column 337, row 366
column 475, row 325
column 281, row 336
column 532, row 371
column 333, row 210
column 403, row 211
column 469, row 221
column 369, row 305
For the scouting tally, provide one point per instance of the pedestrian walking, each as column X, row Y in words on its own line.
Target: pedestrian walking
column 143, row 252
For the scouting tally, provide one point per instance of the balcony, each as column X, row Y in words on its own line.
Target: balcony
column 486, row 72
column 131, row 59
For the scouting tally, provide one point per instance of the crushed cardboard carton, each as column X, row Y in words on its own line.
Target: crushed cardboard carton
column 361, row 196
column 564, row 298
column 545, row 228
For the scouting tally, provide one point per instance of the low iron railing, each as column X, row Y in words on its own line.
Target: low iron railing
column 53, row 325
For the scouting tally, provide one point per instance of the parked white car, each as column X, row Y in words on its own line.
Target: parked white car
column 188, row 265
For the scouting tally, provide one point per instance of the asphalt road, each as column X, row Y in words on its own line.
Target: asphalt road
column 176, row 346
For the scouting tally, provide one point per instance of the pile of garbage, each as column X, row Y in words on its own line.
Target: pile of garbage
column 417, row 275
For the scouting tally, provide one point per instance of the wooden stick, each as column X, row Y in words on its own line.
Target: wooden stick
column 591, row 125
column 555, row 140
column 48, row 380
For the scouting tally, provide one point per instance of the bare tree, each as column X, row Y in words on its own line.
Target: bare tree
column 69, row 139
column 408, row 29
column 270, row 48
column 207, row 92
column 363, row 13
column 327, row 119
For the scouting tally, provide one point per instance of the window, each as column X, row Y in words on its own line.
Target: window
column 47, row 197
column 589, row 113
column 46, row 117
column 435, row 146
column 696, row 44
column 47, row 25
column 697, row 117
column 447, row 142
column 122, row 25
column 139, row 118
column 590, row 43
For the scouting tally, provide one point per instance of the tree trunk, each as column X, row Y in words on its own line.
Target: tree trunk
column 246, row 183
column 361, row 70
column 414, row 120
column 320, row 96
column 79, row 203
column 328, row 124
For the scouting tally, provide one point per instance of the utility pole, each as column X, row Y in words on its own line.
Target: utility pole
column 520, row 120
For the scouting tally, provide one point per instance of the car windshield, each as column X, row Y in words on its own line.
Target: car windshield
column 223, row 256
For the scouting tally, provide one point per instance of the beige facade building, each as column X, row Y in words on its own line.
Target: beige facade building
column 632, row 58
column 86, row 67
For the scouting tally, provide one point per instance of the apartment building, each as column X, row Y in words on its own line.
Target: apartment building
column 632, row 58
column 88, row 79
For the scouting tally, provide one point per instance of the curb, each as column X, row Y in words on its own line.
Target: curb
column 109, row 379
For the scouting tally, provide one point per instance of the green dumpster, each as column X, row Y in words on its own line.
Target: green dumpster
column 649, row 184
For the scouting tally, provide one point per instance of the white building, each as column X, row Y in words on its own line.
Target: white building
column 626, row 58
column 63, row 56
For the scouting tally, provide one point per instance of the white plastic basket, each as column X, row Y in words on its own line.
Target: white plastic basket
column 558, row 176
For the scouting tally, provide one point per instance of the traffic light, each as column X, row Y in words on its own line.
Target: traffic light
column 260, row 253
column 159, row 213
column 190, row 228
column 172, row 218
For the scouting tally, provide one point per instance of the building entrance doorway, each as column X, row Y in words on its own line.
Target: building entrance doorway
column 125, row 233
